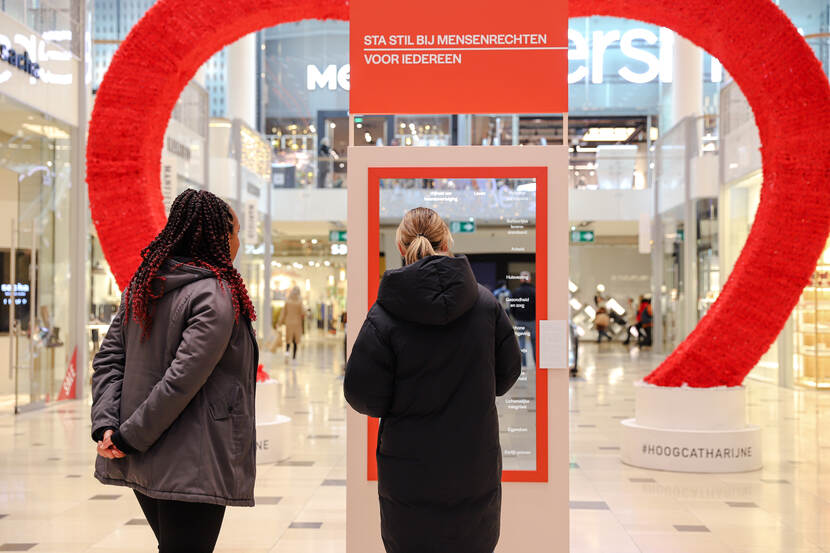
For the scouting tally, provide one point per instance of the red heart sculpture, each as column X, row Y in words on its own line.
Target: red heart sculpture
column 756, row 43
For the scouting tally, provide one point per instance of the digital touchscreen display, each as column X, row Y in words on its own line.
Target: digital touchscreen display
column 493, row 215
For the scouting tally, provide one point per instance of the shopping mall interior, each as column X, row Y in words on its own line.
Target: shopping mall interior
column 664, row 178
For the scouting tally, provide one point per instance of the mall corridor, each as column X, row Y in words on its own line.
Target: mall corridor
column 49, row 501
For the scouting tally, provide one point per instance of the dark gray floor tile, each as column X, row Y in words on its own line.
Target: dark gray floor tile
column 309, row 525
column 104, row 497
column 53, row 459
column 323, row 436
column 16, row 546
column 690, row 528
column 138, row 522
column 73, row 475
column 742, row 504
column 590, row 505
column 609, row 448
column 642, row 480
column 334, row 482
column 268, row 500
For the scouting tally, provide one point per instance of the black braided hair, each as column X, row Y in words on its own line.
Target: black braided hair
column 197, row 229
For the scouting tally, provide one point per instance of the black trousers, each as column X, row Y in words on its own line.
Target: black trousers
column 182, row 527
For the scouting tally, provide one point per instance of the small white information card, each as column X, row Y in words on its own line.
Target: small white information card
column 553, row 344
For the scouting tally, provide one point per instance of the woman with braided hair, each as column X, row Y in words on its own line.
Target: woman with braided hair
column 174, row 380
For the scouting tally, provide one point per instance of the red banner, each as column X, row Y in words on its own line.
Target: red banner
column 435, row 56
column 68, row 386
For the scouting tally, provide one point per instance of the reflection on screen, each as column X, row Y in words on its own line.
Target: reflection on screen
column 493, row 223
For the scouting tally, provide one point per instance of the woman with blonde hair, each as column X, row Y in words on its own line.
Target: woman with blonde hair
column 292, row 316
column 435, row 351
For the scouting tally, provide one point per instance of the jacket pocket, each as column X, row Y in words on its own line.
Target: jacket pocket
column 220, row 411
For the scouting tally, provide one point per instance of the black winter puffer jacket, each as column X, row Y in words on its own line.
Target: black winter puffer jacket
column 435, row 351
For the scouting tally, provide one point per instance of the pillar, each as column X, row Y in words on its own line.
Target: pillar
column 242, row 79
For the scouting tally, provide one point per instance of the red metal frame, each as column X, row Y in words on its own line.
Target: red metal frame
column 373, row 249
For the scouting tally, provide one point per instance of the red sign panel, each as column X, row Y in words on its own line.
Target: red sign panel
column 458, row 56
column 535, row 402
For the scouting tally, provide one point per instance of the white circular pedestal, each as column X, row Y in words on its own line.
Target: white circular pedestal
column 272, row 439
column 273, row 433
column 691, row 430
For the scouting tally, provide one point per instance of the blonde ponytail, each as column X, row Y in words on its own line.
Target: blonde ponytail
column 423, row 233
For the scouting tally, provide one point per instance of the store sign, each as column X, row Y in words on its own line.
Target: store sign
column 251, row 222
column 37, row 72
column 21, row 61
column 460, row 227
column 441, row 57
column 169, row 181
column 337, row 235
column 644, row 66
column 19, row 291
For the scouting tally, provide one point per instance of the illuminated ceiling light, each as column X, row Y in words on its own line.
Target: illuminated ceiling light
column 572, row 287
column 313, row 240
column 49, row 131
column 359, row 125
column 584, row 150
column 333, row 125
column 608, row 134
column 654, row 133
column 367, row 136
column 403, row 125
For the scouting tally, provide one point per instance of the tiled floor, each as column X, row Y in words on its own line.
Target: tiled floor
column 49, row 501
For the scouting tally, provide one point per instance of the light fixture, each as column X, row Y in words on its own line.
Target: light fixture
column 608, row 134
column 575, row 304
column 368, row 137
column 572, row 287
column 359, row 125
column 333, row 125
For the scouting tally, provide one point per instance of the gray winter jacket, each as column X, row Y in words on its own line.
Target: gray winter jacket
column 181, row 400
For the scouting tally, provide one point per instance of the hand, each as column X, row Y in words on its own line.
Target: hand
column 107, row 449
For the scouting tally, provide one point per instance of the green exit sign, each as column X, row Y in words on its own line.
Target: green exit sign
column 582, row 236
column 458, row 227
column 337, row 235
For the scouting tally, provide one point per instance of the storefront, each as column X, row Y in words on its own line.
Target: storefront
column 39, row 116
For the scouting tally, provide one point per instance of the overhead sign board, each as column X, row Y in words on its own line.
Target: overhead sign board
column 435, row 56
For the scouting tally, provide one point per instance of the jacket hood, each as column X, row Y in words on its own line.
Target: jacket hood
column 435, row 290
column 176, row 273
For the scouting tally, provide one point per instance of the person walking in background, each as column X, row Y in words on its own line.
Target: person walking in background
column 646, row 322
column 434, row 352
column 523, row 309
column 174, row 381
column 502, row 294
column 632, row 318
column 601, row 322
column 292, row 316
